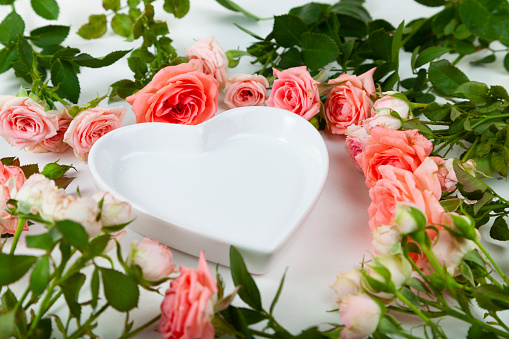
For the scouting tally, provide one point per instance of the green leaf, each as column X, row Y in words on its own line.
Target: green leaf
column 122, row 299
column 43, row 329
column 71, row 288
column 10, row 27
column 310, row 12
column 486, row 60
column 476, row 92
column 7, row 325
column 381, row 44
column 248, row 292
column 64, row 76
column 464, row 47
column 318, row 50
column 451, row 205
column 49, row 35
column 352, row 9
column 42, row 241
column 477, row 332
column 87, row 60
column 124, row 88
column 13, row 267
column 489, row 19
column 96, row 246
column 506, row 62
column 500, row 230
column 25, row 52
column 234, row 56
column 236, row 8
column 251, row 317
column 6, row 2
column 432, row 3
column 445, row 77
column 74, row 233
column 436, row 112
column 491, row 298
column 95, row 28
column 288, row 30
column 467, row 273
column 47, row 9
column 178, row 8
column 236, row 318
column 122, row 24
column 39, row 278
column 94, row 287
column 430, row 54
column 470, row 187
column 114, row 5
column 397, row 44
column 7, row 56
column 278, row 293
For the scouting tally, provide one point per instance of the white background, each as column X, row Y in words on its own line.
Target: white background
column 335, row 237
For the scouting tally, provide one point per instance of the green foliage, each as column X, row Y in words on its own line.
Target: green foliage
column 178, row 8
column 248, row 292
column 13, row 267
column 47, row 9
column 122, row 299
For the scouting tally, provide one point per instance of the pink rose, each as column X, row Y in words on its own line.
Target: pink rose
column 385, row 237
column 355, row 143
column 178, row 95
column 296, row 91
column 56, row 143
column 396, row 185
column 24, row 122
column 450, row 251
column 360, row 314
column 402, row 149
column 188, row 306
column 446, row 174
column 12, row 179
column 246, row 90
column 349, row 103
column 212, row 58
column 153, row 258
column 347, row 283
column 113, row 211
column 385, row 121
column 91, row 124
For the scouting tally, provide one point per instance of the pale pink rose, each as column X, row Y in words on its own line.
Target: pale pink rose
column 58, row 206
column 32, row 194
column 396, row 185
column 398, row 266
column 12, row 179
column 91, row 124
column 246, row 90
column 188, row 307
column 407, row 217
column 385, row 237
column 296, row 91
column 213, row 60
column 56, row 143
column 360, row 314
column 347, row 283
column 355, row 143
column 450, row 250
column 388, row 103
column 446, row 174
column 153, row 258
column 349, row 103
column 402, row 149
column 114, row 211
column 178, row 95
column 385, row 121
column 24, row 122
column 112, row 243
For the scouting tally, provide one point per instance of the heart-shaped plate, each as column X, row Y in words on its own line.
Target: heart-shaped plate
column 247, row 177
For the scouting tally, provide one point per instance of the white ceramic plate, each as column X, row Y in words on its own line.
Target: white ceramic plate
column 247, row 177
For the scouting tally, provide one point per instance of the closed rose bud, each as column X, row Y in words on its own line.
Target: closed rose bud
column 347, row 283
column 409, row 218
column 386, row 104
column 153, row 258
column 360, row 314
column 114, row 211
column 385, row 121
column 450, row 251
column 385, row 237
column 399, row 268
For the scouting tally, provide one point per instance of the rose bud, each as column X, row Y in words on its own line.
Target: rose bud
column 153, row 258
column 360, row 314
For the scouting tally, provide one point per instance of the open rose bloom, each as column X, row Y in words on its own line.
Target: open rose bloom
column 24, row 122
column 296, row 91
column 246, row 90
column 178, row 95
column 188, row 306
column 91, row 124
column 207, row 56
column 55, row 143
column 349, row 103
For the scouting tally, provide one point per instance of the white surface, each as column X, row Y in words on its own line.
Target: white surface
column 334, row 237
column 252, row 174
